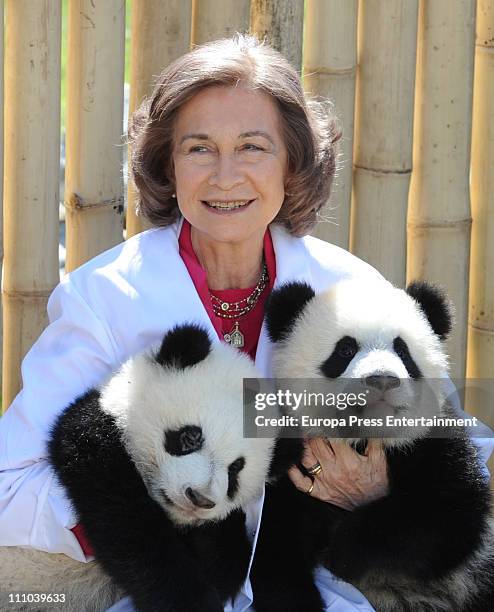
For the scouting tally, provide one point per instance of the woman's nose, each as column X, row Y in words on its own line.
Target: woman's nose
column 226, row 173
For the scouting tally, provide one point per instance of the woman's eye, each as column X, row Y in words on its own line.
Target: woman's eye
column 198, row 149
column 252, row 147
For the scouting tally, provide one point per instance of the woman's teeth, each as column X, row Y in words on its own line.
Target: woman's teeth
column 228, row 205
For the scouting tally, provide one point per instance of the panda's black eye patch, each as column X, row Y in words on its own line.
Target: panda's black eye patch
column 401, row 349
column 183, row 441
column 233, row 471
column 345, row 350
column 237, row 466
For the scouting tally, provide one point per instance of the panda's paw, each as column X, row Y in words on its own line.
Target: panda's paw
column 309, row 601
column 303, row 599
column 343, row 565
column 207, row 601
column 197, row 598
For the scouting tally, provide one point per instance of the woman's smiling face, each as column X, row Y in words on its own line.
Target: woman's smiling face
column 230, row 162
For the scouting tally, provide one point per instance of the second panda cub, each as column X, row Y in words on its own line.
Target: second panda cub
column 428, row 544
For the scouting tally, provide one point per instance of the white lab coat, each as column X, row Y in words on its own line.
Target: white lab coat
column 112, row 307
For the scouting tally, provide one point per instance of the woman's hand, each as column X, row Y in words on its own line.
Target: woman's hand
column 347, row 479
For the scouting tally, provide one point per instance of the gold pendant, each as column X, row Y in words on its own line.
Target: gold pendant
column 235, row 337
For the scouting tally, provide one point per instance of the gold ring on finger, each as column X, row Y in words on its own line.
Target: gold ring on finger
column 315, row 469
column 310, row 489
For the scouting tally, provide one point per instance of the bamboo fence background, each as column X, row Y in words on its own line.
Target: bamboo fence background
column 413, row 85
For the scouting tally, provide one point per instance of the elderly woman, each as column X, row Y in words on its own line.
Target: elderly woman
column 232, row 164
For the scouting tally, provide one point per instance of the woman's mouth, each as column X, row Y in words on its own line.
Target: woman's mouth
column 226, row 206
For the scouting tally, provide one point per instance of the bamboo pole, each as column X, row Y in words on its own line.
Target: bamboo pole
column 281, row 23
column 214, row 19
column 439, row 207
column 387, row 33
column 480, row 357
column 330, row 67
column 93, row 176
column 32, row 167
column 1, row 172
column 481, row 320
column 160, row 34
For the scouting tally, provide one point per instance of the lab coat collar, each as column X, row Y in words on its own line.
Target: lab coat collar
column 292, row 264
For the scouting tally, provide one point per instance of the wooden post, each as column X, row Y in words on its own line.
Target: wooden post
column 480, row 359
column 481, row 320
column 32, row 168
column 1, row 170
column 213, row 19
column 281, row 23
column 330, row 67
column 387, row 33
column 160, row 34
column 93, row 174
column 439, row 208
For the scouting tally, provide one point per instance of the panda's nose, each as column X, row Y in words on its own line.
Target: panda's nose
column 198, row 499
column 383, row 382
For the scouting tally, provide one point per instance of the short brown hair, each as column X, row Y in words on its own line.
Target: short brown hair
column 309, row 128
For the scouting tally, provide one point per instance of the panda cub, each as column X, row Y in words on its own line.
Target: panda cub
column 159, row 474
column 428, row 544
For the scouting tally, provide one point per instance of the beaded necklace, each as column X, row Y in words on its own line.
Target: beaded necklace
column 236, row 310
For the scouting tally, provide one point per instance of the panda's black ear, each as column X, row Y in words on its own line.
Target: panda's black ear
column 435, row 304
column 284, row 306
column 184, row 346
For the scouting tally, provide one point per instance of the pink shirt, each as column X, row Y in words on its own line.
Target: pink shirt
column 250, row 323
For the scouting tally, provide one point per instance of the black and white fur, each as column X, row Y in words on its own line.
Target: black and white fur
column 159, row 473
column 426, row 546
